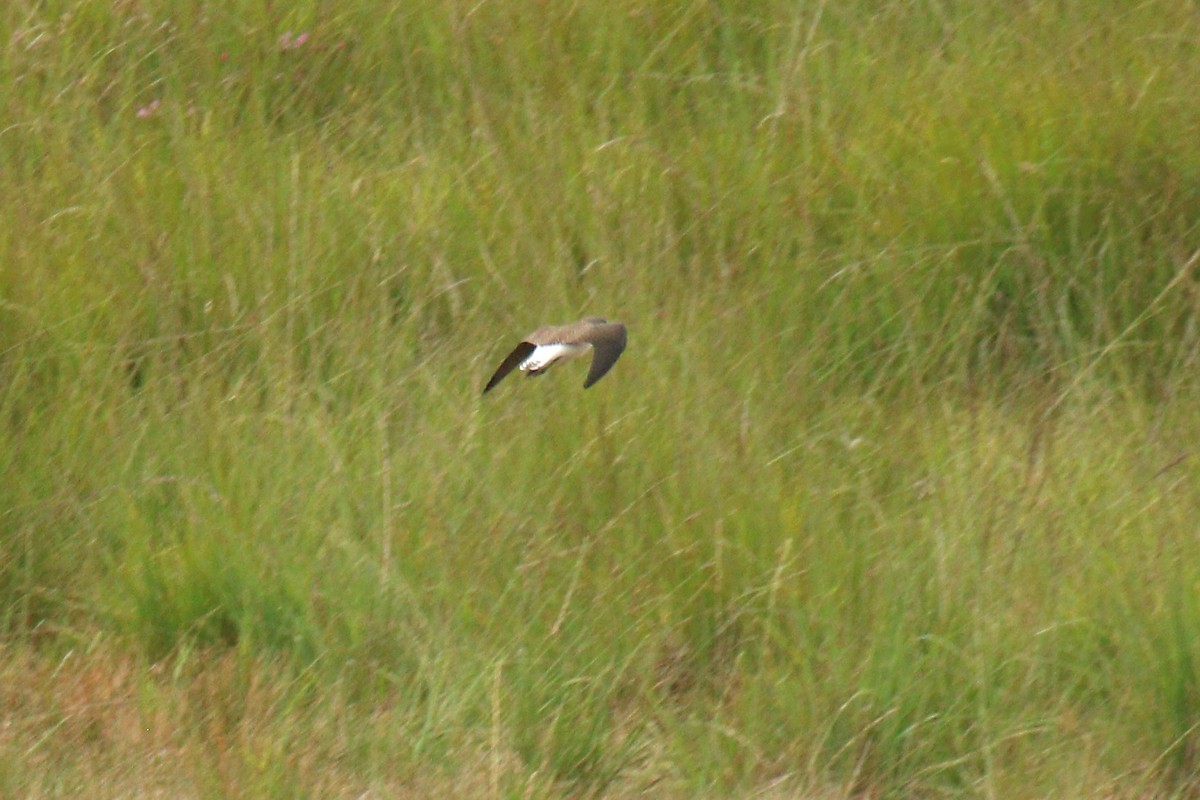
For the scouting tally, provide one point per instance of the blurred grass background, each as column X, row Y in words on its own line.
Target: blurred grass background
column 892, row 494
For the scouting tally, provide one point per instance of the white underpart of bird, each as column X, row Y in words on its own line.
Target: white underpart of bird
column 546, row 354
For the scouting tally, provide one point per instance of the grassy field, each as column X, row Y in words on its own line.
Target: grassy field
column 892, row 495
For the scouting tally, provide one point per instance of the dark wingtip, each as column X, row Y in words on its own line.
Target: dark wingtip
column 519, row 354
column 492, row 383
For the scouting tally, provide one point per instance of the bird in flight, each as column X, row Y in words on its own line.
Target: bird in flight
column 540, row 349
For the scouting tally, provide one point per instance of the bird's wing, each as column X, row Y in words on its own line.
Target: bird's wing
column 519, row 354
column 608, row 342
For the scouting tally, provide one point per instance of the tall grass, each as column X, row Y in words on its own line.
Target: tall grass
column 891, row 495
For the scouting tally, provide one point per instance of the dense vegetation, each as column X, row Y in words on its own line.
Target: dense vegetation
column 892, row 495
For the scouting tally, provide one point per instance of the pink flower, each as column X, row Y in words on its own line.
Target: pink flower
column 149, row 110
column 289, row 42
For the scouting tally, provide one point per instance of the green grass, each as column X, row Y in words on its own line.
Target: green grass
column 892, row 495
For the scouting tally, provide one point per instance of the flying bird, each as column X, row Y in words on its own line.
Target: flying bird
column 540, row 349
